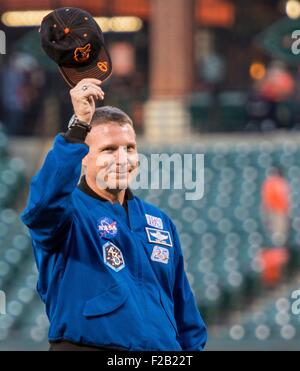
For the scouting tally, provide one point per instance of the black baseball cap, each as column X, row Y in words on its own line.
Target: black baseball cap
column 74, row 40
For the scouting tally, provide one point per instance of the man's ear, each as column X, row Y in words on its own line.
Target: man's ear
column 84, row 160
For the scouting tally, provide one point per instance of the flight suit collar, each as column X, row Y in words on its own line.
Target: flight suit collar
column 83, row 186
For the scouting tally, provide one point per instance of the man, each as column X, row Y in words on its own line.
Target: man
column 111, row 270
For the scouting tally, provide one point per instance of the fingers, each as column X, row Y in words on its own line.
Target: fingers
column 92, row 90
column 86, row 88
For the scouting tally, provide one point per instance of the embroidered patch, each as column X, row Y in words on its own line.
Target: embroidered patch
column 161, row 237
column 154, row 221
column 160, row 254
column 113, row 256
column 103, row 66
column 82, row 54
column 107, row 227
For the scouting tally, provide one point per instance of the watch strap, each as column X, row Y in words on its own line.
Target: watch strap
column 75, row 134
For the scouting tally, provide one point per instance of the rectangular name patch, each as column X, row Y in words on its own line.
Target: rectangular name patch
column 154, row 221
column 160, row 237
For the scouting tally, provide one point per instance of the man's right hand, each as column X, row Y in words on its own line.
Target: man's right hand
column 83, row 97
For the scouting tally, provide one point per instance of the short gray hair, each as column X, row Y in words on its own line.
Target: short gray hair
column 103, row 115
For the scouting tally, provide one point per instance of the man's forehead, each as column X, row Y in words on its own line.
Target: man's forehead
column 111, row 128
column 112, row 133
column 107, row 128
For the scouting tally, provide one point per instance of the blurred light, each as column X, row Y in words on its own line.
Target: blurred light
column 37, row 334
column 215, row 13
column 24, row 18
column 103, row 22
column 257, row 71
column 292, row 9
column 126, row 24
column 283, row 305
column 30, row 18
column 288, row 332
column 212, row 292
column 282, row 318
column 12, row 256
column 262, row 332
column 15, row 308
column 120, row 24
column 25, row 295
column 237, row 332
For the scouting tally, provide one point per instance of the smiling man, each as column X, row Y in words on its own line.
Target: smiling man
column 111, row 270
column 112, row 158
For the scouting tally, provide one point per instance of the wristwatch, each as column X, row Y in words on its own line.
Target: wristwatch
column 75, row 122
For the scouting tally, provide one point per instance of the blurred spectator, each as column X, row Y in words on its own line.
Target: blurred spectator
column 278, row 84
column 12, row 98
column 275, row 204
column 275, row 207
column 22, row 93
column 271, row 101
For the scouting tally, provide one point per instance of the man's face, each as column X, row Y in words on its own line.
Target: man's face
column 112, row 157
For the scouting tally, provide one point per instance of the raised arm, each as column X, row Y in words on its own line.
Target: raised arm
column 49, row 210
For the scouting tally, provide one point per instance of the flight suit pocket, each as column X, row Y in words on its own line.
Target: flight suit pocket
column 168, row 312
column 107, row 302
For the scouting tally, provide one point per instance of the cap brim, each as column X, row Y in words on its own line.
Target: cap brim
column 101, row 69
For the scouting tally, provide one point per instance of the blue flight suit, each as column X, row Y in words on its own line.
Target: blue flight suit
column 108, row 277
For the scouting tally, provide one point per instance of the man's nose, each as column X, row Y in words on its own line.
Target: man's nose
column 122, row 156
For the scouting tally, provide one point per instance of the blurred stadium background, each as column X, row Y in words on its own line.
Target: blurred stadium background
column 217, row 77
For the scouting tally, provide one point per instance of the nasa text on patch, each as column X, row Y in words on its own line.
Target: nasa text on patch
column 161, row 237
column 107, row 227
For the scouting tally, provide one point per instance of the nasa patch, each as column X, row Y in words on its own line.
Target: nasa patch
column 113, row 256
column 160, row 254
column 107, row 227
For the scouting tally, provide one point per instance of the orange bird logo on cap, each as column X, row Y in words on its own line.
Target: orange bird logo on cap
column 103, row 66
column 82, row 54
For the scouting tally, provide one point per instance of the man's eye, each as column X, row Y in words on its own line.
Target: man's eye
column 107, row 149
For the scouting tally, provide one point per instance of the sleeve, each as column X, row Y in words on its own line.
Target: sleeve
column 191, row 328
column 49, row 209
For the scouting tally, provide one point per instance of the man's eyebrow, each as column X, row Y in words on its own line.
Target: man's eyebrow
column 111, row 145
column 107, row 145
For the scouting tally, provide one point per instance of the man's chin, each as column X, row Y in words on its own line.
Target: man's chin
column 119, row 185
